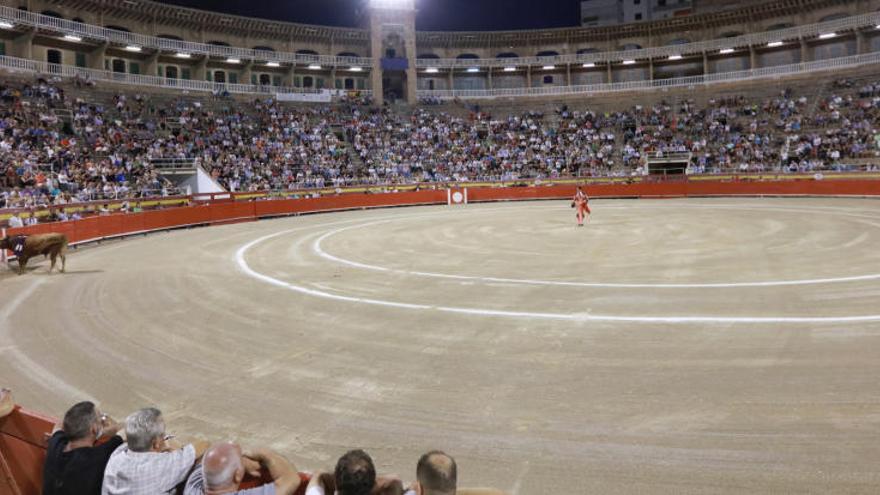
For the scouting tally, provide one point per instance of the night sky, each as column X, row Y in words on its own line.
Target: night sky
column 433, row 15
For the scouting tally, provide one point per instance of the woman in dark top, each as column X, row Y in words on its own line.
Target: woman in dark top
column 74, row 463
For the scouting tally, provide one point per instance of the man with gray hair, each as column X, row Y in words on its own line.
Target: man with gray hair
column 224, row 467
column 148, row 464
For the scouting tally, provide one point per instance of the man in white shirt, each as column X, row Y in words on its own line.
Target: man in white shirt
column 15, row 221
column 147, row 464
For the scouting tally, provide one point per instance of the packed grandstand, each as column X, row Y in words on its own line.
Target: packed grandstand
column 92, row 111
column 106, row 148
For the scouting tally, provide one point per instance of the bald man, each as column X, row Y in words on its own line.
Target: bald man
column 437, row 474
column 224, row 467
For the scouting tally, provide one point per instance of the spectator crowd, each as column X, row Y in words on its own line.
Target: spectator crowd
column 57, row 149
column 89, row 453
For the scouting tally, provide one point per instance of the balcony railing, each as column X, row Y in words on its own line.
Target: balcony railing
column 746, row 75
column 807, row 31
column 33, row 66
column 97, row 33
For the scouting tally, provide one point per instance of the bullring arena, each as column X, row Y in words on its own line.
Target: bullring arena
column 343, row 257
column 715, row 345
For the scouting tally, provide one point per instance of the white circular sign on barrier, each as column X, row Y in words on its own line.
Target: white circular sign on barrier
column 457, row 197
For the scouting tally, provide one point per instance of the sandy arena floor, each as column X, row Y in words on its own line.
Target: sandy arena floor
column 679, row 346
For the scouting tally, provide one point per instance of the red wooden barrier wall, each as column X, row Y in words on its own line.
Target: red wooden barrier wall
column 95, row 228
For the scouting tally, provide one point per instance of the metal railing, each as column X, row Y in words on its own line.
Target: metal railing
column 745, row 75
column 33, row 66
column 806, row 31
column 97, row 33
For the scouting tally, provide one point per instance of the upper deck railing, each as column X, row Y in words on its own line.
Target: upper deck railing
column 33, row 66
column 648, row 84
column 807, row 31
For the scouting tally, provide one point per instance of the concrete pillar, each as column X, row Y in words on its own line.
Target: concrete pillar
column 705, row 64
column 753, row 58
column 451, row 79
column 608, row 70
column 650, row 69
column 23, row 45
column 151, row 65
column 200, row 70
column 333, row 78
column 376, row 53
column 95, row 58
column 491, row 85
column 805, row 50
column 528, row 76
column 247, row 72
column 409, row 41
column 568, row 74
column 290, row 77
column 860, row 42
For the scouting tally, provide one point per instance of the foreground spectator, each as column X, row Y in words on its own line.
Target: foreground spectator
column 148, row 464
column 74, row 465
column 224, row 466
column 7, row 404
column 355, row 474
column 437, row 474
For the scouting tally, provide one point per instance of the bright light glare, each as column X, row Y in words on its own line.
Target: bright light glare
column 825, row 36
column 6, row 25
column 393, row 4
column 355, row 69
column 70, row 37
column 675, row 57
column 628, row 62
column 273, row 64
column 549, row 67
column 473, row 69
column 510, row 69
column 724, row 51
column 314, row 67
column 589, row 65
column 132, row 48
column 774, row 44
column 233, row 61
column 431, row 70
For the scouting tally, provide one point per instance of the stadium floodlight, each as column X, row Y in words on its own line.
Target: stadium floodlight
column 774, row 44
column 392, row 4
column 182, row 55
column 588, row 65
column 233, row 60
column 675, row 57
column 549, row 67
column 628, row 62
column 431, row 70
column 314, row 67
column 725, row 51
column 510, row 69
column 6, row 25
column 355, row 69
column 825, row 36
column 132, row 48
column 70, row 37
column 273, row 64
column 473, row 69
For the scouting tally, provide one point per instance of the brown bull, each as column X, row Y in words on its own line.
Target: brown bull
column 49, row 245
